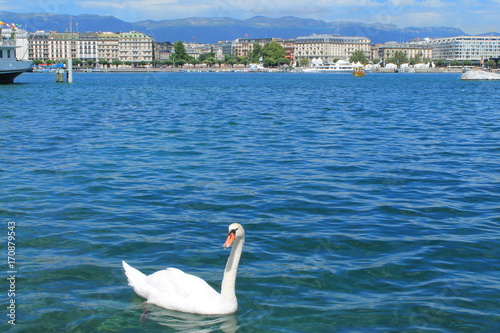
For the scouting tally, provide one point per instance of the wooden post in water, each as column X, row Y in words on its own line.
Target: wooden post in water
column 65, row 75
column 60, row 75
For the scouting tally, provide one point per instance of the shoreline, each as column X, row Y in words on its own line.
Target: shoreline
column 278, row 70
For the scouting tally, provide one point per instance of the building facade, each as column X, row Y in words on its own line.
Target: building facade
column 412, row 50
column 56, row 46
column 222, row 49
column 131, row 47
column 327, row 48
column 108, row 47
column 474, row 48
column 196, row 49
column 163, row 50
column 135, row 47
column 243, row 47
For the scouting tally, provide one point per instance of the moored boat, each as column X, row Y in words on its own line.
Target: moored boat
column 341, row 66
column 358, row 71
column 10, row 67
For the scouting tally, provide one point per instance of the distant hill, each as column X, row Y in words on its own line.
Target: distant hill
column 211, row 30
column 61, row 22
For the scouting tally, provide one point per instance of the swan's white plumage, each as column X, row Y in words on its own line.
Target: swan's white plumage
column 173, row 289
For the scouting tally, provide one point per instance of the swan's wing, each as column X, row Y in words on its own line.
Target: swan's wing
column 176, row 290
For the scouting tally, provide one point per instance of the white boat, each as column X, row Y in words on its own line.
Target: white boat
column 479, row 74
column 341, row 66
column 10, row 67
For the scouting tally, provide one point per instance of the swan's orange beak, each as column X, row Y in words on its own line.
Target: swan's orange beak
column 230, row 239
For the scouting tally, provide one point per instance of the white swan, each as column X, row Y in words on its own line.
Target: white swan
column 175, row 290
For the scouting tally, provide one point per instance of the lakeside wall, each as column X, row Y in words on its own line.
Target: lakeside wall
column 240, row 68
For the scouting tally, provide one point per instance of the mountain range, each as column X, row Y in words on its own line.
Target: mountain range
column 212, row 30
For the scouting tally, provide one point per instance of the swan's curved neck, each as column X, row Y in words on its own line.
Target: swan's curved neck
column 229, row 281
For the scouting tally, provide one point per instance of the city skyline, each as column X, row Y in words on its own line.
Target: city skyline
column 473, row 17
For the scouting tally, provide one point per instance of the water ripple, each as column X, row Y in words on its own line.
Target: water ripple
column 367, row 208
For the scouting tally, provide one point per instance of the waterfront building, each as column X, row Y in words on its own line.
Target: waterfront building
column 412, row 50
column 39, row 46
column 163, row 50
column 289, row 46
column 86, row 46
column 196, row 49
column 131, row 47
column 473, row 48
column 222, row 49
column 108, row 46
column 58, row 46
column 135, row 47
column 243, row 47
column 327, row 48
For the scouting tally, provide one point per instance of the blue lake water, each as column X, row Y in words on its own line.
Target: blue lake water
column 370, row 204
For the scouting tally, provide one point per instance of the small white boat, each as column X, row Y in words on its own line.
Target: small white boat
column 480, row 74
column 10, row 67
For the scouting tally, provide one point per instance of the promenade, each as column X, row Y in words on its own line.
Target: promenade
column 241, row 68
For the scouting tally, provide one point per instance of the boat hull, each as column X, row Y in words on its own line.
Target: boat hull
column 311, row 70
column 10, row 70
column 358, row 72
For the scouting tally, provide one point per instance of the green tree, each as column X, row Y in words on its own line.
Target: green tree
column 179, row 63
column 440, row 63
column 116, row 62
column 455, row 63
column 491, row 63
column 90, row 62
column 399, row 58
column 229, row 60
column 283, row 61
column 270, row 62
column 243, row 60
column 180, row 52
column 167, row 62
column 358, row 56
column 205, row 56
column 194, row 61
column 416, row 60
column 273, row 51
column 467, row 63
column 38, row 62
column 77, row 62
column 103, row 62
column 304, row 62
column 209, row 61
column 256, row 53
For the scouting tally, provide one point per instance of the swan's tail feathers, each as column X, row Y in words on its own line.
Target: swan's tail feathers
column 136, row 280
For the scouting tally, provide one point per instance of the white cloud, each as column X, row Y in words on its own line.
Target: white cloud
column 102, row 4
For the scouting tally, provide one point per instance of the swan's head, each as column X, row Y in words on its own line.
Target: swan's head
column 236, row 231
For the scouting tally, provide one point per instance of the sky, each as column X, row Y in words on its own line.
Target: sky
column 472, row 16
